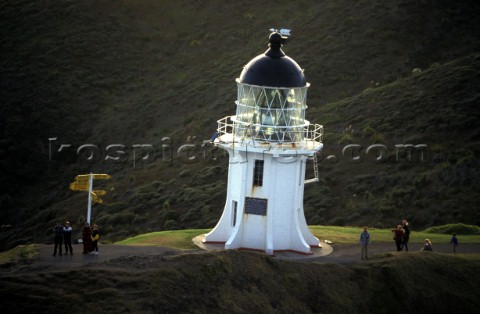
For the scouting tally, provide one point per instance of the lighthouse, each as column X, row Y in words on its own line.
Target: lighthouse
column 269, row 143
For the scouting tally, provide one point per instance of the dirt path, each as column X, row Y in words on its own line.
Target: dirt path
column 343, row 254
column 350, row 253
column 106, row 252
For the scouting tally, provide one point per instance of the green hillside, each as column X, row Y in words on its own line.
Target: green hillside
column 135, row 72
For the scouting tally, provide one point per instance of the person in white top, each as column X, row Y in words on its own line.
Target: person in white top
column 67, row 238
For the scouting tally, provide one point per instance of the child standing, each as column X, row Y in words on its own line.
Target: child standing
column 364, row 240
column 454, row 243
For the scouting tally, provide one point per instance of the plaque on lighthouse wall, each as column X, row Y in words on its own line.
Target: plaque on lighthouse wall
column 256, row 206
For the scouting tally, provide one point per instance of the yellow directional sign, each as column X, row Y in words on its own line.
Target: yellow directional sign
column 82, row 183
column 79, row 187
column 96, row 176
column 102, row 176
column 82, row 177
column 99, row 192
column 96, row 199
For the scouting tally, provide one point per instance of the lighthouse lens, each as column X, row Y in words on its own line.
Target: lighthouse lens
column 271, row 114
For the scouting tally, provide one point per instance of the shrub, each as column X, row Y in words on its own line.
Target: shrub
column 122, row 218
column 316, row 220
column 154, row 186
column 170, row 225
column 184, row 173
column 455, row 228
column 337, row 221
column 169, row 215
column 114, row 207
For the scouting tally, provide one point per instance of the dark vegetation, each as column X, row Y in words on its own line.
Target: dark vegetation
column 454, row 228
column 246, row 282
column 135, row 72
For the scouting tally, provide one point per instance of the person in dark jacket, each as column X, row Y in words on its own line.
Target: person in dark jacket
column 58, row 239
column 67, row 238
column 406, row 235
column 95, row 238
column 454, row 243
column 87, row 239
column 398, row 237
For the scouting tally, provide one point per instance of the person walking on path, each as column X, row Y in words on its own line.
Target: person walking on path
column 398, row 237
column 87, row 239
column 58, row 239
column 67, row 238
column 454, row 243
column 427, row 246
column 406, row 235
column 364, row 240
column 95, row 238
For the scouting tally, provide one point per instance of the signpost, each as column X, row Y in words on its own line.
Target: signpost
column 84, row 183
column 79, row 186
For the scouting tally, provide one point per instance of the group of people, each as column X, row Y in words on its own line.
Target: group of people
column 401, row 236
column 63, row 235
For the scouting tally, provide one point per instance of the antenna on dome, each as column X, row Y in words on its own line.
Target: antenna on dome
column 285, row 32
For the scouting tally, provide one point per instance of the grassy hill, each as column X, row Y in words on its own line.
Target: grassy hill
column 135, row 72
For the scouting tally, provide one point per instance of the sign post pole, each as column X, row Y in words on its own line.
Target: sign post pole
column 89, row 210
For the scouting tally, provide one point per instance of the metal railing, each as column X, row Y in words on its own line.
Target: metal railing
column 230, row 130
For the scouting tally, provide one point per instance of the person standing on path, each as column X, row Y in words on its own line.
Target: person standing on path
column 398, row 237
column 87, row 238
column 364, row 240
column 58, row 239
column 406, row 235
column 67, row 237
column 95, row 238
column 454, row 243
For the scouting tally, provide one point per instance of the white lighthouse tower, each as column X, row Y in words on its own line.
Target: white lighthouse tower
column 269, row 142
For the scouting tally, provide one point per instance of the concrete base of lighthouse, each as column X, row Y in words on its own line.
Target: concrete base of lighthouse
column 316, row 252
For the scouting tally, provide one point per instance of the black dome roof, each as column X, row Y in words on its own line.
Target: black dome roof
column 273, row 68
